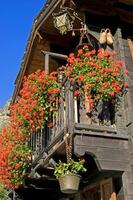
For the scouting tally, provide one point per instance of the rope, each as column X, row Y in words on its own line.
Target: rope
column 68, row 140
column 68, row 143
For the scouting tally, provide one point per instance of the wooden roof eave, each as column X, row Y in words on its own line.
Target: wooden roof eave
column 50, row 6
column 44, row 16
column 21, row 73
column 36, row 26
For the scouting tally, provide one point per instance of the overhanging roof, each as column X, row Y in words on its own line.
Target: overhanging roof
column 42, row 17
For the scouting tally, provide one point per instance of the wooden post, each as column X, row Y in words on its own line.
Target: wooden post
column 56, row 55
column 47, row 63
column 75, row 110
column 88, row 109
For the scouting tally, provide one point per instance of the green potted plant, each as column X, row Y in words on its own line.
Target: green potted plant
column 68, row 175
column 3, row 192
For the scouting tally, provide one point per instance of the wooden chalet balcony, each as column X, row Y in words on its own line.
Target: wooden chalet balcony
column 107, row 120
column 72, row 117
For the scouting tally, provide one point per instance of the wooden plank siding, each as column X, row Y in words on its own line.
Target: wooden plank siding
column 129, row 66
column 112, row 153
column 123, row 114
column 37, row 58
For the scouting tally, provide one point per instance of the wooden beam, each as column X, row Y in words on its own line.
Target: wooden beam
column 110, row 154
column 56, row 38
column 56, row 55
column 129, row 2
column 125, row 15
column 46, row 67
column 103, row 10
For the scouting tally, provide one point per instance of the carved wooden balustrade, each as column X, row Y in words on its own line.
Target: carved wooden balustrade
column 41, row 140
column 72, row 116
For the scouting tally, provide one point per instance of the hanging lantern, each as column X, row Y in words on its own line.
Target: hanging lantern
column 63, row 21
column 65, row 18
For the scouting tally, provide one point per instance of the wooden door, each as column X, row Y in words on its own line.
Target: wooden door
column 102, row 191
column 107, row 190
column 94, row 194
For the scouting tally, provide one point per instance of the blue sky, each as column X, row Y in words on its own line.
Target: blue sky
column 16, row 18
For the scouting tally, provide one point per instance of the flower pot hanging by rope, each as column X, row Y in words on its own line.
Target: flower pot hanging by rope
column 69, row 183
column 68, row 173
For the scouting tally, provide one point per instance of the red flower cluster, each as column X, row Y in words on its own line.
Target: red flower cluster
column 38, row 98
column 96, row 74
column 38, row 95
column 14, row 157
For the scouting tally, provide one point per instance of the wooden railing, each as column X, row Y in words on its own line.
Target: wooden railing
column 37, row 143
column 72, row 117
column 42, row 140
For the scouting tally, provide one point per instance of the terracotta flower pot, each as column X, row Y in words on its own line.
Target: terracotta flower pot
column 69, row 183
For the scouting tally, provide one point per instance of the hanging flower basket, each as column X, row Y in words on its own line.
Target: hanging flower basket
column 69, row 183
column 68, row 175
column 96, row 76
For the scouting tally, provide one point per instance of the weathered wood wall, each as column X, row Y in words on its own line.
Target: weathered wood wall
column 129, row 66
column 36, row 60
column 113, row 154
